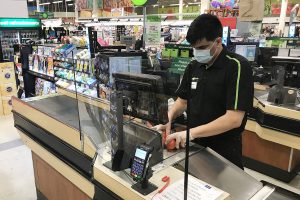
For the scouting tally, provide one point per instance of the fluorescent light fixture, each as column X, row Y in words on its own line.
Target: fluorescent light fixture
column 43, row 4
column 70, row 4
column 57, row 2
column 31, row 0
column 68, row 0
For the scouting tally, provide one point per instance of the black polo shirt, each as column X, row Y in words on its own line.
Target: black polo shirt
column 225, row 85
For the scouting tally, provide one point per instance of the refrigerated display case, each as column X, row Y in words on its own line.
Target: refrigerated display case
column 15, row 31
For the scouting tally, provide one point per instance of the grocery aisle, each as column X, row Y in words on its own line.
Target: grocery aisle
column 16, row 172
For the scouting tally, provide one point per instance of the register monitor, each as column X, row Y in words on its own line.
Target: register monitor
column 143, row 96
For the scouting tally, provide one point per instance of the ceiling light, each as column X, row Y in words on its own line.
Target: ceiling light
column 43, row 4
column 68, row 0
column 57, row 2
column 30, row 0
column 70, row 4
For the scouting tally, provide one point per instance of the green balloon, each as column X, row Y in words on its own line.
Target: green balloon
column 139, row 2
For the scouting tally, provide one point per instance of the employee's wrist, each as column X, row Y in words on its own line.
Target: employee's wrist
column 191, row 136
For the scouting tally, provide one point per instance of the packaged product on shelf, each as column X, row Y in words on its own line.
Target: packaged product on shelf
column 62, row 83
column 43, row 87
column 85, row 66
column 38, row 87
column 50, row 70
column 49, row 88
column 36, row 63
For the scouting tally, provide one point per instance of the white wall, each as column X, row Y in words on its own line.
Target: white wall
column 13, row 8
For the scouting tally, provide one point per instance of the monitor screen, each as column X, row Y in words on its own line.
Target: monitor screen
column 292, row 31
column 124, row 64
column 226, row 37
column 248, row 51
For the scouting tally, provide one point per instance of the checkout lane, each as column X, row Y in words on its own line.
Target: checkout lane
column 215, row 170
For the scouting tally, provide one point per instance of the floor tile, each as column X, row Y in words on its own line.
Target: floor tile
column 7, row 129
column 17, row 176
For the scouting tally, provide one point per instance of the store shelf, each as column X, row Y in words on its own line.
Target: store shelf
column 69, row 60
column 42, row 76
column 55, row 68
column 92, row 85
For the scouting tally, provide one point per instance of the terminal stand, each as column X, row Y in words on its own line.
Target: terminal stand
column 144, row 186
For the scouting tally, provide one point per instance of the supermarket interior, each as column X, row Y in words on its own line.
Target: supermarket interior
column 150, row 99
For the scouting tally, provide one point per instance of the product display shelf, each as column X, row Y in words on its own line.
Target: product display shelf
column 42, row 75
column 57, row 67
column 79, row 82
column 72, row 62
column 62, row 59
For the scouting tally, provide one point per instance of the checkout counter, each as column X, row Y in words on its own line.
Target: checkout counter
column 271, row 141
column 69, row 148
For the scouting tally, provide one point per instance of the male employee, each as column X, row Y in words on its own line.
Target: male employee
column 219, row 85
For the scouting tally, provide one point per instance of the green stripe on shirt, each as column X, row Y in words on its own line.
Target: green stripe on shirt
column 237, row 81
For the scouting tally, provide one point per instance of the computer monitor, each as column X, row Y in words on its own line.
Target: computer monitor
column 127, row 40
column 171, row 81
column 109, row 62
column 132, row 64
column 265, row 55
column 143, row 96
column 247, row 51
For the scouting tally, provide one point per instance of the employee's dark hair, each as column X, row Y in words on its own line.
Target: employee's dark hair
column 205, row 26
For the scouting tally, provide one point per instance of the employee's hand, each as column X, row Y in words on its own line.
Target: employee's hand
column 180, row 138
column 164, row 128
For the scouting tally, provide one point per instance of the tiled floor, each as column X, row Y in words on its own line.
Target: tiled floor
column 16, row 172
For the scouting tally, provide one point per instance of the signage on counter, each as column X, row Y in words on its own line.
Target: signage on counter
column 19, row 23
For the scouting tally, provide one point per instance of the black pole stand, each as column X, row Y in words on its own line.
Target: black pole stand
column 187, row 142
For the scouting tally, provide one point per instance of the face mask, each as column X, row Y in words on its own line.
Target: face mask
column 203, row 55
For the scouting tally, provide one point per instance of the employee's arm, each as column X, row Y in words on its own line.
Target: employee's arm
column 231, row 120
column 177, row 109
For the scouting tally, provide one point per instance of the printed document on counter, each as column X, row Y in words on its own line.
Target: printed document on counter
column 197, row 190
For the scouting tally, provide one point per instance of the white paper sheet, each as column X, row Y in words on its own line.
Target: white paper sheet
column 196, row 191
